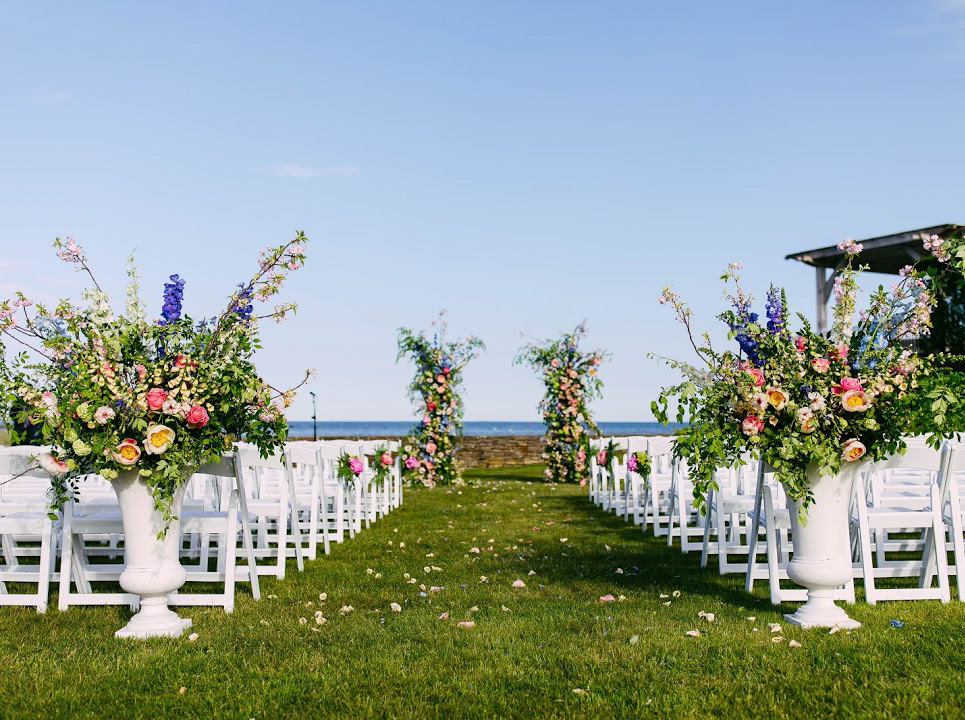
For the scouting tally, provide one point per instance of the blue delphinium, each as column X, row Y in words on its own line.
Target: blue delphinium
column 774, row 307
column 173, row 295
column 748, row 344
column 244, row 306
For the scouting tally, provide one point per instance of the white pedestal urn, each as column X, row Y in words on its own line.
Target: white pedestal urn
column 153, row 567
column 822, row 552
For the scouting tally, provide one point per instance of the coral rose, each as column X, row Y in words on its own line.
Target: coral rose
column 156, row 398
column 197, row 417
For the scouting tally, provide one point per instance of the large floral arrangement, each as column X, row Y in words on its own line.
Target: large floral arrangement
column 121, row 392
column 799, row 398
column 429, row 450
column 569, row 375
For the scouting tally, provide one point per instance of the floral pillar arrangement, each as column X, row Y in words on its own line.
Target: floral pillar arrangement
column 428, row 453
column 569, row 375
column 812, row 407
column 143, row 403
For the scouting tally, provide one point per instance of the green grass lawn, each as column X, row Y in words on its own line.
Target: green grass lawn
column 529, row 650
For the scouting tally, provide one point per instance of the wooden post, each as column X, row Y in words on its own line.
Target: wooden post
column 821, row 291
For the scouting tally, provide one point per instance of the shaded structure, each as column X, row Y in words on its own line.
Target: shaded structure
column 886, row 254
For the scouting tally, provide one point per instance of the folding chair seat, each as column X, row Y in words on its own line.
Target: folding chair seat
column 655, row 503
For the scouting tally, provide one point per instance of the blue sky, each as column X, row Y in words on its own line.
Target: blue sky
column 524, row 165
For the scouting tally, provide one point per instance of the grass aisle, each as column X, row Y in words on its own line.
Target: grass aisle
column 530, row 649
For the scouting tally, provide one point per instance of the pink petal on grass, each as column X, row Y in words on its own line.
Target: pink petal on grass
column 607, row 599
column 466, row 624
column 519, row 584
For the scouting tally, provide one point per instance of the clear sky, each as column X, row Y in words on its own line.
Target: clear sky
column 525, row 165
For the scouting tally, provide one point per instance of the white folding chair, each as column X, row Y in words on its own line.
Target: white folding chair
column 905, row 512
column 219, row 520
column 728, row 518
column 24, row 521
column 272, row 509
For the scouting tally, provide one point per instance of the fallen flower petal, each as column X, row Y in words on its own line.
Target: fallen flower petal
column 693, row 633
column 466, row 624
column 519, row 584
column 607, row 599
column 395, row 607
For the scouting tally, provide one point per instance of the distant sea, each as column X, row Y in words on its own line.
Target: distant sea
column 303, row 429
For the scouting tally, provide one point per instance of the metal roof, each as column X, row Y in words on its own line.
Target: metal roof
column 886, row 254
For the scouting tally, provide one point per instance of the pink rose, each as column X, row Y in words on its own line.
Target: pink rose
column 141, row 371
column 801, row 343
column 441, row 379
column 155, row 398
column 431, row 447
column 821, row 365
column 756, row 373
column 355, row 465
column 842, row 352
column 555, row 363
column 412, row 462
column 180, row 361
column 197, row 417
column 601, row 457
column 425, row 420
column 752, row 425
column 847, row 385
column 386, row 459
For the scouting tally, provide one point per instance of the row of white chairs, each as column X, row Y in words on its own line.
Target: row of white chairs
column 261, row 511
column 907, row 516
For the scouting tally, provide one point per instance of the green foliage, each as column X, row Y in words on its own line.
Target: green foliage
column 429, row 450
column 117, row 392
column 570, row 379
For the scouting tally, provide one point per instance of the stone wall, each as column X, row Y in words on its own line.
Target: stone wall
column 492, row 452
column 501, row 451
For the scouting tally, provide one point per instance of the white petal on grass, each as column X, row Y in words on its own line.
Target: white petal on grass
column 693, row 633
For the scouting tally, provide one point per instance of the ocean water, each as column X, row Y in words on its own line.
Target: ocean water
column 303, row 429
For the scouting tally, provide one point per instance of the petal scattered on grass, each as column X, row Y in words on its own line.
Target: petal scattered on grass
column 777, row 639
column 475, row 550
column 693, row 633
column 531, row 573
column 794, row 644
column 302, row 621
column 621, row 598
column 664, row 596
column 519, row 584
column 667, row 604
column 563, row 540
column 345, row 609
column 504, row 608
column 579, row 691
column 395, row 607
column 444, row 616
column 774, row 627
column 634, row 640
column 319, row 620
column 607, row 599
column 193, row 636
column 833, row 630
column 676, row 593
column 752, row 618
column 466, row 624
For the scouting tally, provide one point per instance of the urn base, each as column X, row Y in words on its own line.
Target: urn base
column 820, row 612
column 154, row 619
